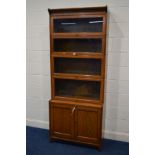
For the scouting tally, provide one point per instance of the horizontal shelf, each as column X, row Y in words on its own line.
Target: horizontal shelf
column 74, row 101
column 79, row 35
column 78, row 15
column 78, row 55
column 77, row 77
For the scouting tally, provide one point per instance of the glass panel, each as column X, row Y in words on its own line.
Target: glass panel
column 78, row 25
column 77, row 89
column 78, row 66
column 77, row 45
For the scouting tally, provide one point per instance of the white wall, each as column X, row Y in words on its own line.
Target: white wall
column 38, row 72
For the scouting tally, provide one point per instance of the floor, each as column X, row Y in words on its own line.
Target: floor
column 37, row 143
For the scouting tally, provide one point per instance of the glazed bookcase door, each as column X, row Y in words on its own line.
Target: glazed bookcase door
column 77, row 89
column 70, row 25
column 91, row 45
column 78, row 66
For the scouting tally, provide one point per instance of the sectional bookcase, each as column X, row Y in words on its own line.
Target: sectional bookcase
column 77, row 60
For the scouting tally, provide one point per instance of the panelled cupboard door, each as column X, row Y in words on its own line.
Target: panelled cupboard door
column 62, row 119
column 88, row 124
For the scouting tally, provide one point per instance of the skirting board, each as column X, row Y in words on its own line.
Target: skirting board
column 37, row 123
column 107, row 134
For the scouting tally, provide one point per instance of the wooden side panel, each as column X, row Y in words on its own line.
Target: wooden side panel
column 88, row 124
column 62, row 120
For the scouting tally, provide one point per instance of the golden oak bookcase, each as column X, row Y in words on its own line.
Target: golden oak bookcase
column 77, row 60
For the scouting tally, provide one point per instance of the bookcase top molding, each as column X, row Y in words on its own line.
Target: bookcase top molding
column 76, row 10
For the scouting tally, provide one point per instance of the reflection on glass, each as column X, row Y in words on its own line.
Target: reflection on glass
column 78, row 25
column 77, row 89
column 77, row 66
column 94, row 22
column 77, row 45
column 68, row 23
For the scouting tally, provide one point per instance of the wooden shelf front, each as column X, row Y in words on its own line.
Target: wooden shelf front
column 77, row 55
column 78, row 35
column 77, row 100
column 69, row 102
column 77, row 77
column 78, row 15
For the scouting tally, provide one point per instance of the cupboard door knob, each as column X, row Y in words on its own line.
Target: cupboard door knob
column 74, row 53
column 73, row 110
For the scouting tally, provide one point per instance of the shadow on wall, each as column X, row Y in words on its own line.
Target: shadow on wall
column 111, row 125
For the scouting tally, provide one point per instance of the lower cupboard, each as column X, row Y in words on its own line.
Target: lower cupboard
column 76, row 123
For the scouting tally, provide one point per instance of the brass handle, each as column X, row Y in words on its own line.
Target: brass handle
column 73, row 110
column 74, row 53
